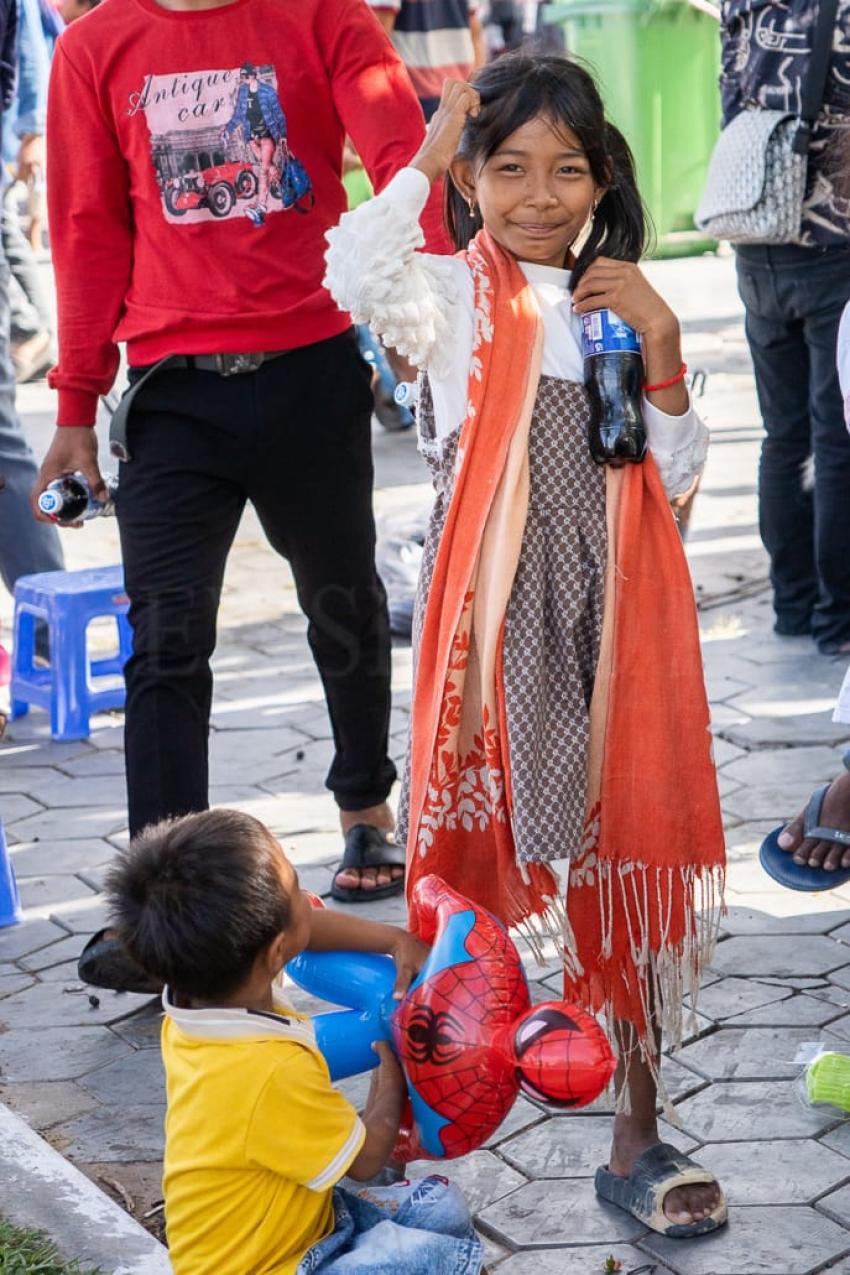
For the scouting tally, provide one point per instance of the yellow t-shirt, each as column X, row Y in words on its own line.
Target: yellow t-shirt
column 255, row 1138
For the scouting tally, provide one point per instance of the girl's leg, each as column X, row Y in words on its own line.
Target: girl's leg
column 636, row 1132
column 266, row 156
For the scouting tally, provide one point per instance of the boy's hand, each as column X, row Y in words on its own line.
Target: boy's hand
column 458, row 101
column 409, row 954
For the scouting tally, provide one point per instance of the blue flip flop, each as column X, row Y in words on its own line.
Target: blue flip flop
column 780, row 865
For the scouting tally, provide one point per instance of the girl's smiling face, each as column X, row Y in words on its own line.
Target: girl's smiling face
column 535, row 193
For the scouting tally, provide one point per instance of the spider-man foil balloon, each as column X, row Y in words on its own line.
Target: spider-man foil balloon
column 466, row 1034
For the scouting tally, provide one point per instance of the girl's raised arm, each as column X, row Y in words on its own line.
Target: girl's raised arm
column 414, row 301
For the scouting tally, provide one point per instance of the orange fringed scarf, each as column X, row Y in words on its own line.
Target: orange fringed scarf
column 654, row 833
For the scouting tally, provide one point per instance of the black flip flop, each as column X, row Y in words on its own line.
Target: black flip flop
column 368, row 847
column 779, row 863
column 105, row 962
column 654, row 1175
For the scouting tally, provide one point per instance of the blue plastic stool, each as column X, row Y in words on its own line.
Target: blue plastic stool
column 67, row 601
column 10, row 903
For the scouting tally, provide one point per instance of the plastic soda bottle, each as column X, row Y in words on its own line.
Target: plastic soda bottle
column 69, row 499
column 613, row 374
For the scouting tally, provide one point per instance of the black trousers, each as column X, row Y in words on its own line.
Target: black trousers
column 794, row 298
column 294, row 439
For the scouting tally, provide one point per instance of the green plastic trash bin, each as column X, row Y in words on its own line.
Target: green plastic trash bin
column 657, row 63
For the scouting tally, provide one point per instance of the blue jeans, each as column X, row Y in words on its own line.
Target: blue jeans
column 414, row 1228
column 794, row 297
column 26, row 546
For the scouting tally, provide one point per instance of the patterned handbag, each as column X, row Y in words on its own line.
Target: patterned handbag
column 756, row 180
column 296, row 190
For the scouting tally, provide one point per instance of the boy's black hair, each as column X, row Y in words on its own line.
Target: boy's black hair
column 196, row 899
column 518, row 88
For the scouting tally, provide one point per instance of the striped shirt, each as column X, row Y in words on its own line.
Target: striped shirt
column 433, row 40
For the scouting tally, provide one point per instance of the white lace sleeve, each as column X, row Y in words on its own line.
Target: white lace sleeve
column 679, row 445
column 374, row 271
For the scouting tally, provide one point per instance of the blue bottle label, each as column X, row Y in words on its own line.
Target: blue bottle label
column 604, row 332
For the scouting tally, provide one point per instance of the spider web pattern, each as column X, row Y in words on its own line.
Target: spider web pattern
column 479, row 999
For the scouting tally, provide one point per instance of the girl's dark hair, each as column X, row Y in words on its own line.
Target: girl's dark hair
column 517, row 88
column 195, row 900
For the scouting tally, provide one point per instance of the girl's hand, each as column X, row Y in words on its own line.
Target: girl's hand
column 622, row 287
column 458, row 101
column 409, row 954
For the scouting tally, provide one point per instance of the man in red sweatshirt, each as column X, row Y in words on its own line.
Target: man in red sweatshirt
column 174, row 231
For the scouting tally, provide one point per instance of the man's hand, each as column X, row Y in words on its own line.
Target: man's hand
column 30, row 156
column 409, row 954
column 73, row 450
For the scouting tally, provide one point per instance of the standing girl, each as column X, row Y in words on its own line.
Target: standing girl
column 559, row 709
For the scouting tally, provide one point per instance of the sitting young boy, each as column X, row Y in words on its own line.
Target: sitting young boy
column 256, row 1136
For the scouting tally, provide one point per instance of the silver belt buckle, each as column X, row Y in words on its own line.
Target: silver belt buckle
column 236, row 364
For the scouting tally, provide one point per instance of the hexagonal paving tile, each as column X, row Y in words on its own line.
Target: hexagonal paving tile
column 761, row 954
column 777, row 802
column 775, row 768
column 798, row 1011
column 55, row 1053
column 837, row 1206
column 142, row 1030
column 790, row 1240
column 746, row 921
column 13, row 981
column 84, row 919
column 67, row 949
column 792, row 1172
column 482, row 1177
column 47, row 858
column 44, row 1103
column 730, row 1112
column 748, row 1053
column 536, row 1216
column 55, row 825
column 31, row 936
column 49, row 1005
column 139, row 1075
column 522, row 1115
column 98, row 1135
column 61, row 792
column 38, row 893
column 839, row 1140
column 730, row 996
column 572, row 1148
column 577, row 1261
column 787, row 732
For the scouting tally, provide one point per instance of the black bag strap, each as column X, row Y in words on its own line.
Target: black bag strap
column 814, row 81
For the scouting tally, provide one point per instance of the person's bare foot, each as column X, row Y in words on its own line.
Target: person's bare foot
column 835, row 813
column 683, row 1204
column 367, row 879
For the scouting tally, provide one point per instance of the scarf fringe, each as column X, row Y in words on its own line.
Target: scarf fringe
column 649, row 957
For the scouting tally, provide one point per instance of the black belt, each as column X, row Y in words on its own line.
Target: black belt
column 223, row 364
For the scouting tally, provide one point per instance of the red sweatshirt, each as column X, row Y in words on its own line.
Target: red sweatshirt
column 165, row 128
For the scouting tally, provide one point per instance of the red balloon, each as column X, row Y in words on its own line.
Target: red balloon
column 469, row 1039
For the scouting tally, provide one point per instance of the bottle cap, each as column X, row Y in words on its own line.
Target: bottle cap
column 49, row 502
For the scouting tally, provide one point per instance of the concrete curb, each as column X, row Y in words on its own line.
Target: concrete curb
column 42, row 1189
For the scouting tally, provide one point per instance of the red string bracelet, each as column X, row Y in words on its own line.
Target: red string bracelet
column 665, row 385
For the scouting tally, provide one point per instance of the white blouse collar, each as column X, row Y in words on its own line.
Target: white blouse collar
column 551, row 275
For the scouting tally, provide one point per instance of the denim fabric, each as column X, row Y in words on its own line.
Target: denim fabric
column 414, row 1228
column 794, row 297
column 27, row 297
column 26, row 545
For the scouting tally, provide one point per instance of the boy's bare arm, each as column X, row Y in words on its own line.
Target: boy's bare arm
column 381, row 1115
column 335, row 932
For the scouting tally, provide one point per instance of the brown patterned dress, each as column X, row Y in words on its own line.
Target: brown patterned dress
column 553, row 622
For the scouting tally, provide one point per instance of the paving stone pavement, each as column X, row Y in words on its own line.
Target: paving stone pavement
column 85, row 1070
